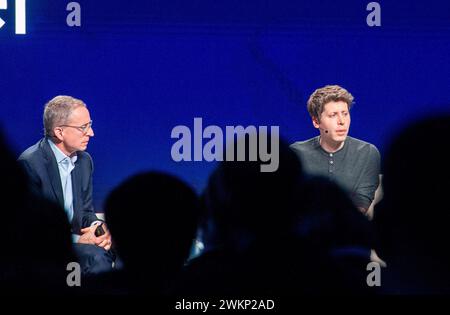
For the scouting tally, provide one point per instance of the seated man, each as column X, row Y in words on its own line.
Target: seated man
column 351, row 163
column 59, row 169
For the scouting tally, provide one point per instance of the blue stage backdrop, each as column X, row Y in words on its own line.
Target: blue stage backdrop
column 144, row 67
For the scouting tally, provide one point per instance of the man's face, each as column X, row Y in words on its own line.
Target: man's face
column 335, row 119
column 75, row 134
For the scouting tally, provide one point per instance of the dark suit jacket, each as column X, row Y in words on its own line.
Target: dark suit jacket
column 40, row 164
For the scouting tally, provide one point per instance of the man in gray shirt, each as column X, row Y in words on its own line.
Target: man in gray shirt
column 351, row 163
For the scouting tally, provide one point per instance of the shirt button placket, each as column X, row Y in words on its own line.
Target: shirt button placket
column 331, row 167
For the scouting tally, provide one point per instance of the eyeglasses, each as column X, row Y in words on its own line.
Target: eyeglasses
column 84, row 128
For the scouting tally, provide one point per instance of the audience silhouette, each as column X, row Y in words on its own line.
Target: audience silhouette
column 253, row 236
column 37, row 241
column 265, row 233
column 412, row 219
column 153, row 219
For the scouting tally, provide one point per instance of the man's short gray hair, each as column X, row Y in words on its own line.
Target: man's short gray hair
column 57, row 112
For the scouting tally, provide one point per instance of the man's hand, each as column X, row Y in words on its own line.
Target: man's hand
column 362, row 210
column 104, row 240
column 88, row 237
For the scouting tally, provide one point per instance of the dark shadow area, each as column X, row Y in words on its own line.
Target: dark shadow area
column 275, row 234
column 153, row 218
column 36, row 235
column 412, row 219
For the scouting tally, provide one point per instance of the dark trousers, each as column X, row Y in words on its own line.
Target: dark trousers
column 93, row 259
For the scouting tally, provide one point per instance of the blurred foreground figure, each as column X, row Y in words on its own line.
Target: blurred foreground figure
column 153, row 219
column 412, row 219
column 36, row 237
column 254, row 246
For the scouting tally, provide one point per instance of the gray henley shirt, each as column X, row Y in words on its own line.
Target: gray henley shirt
column 355, row 167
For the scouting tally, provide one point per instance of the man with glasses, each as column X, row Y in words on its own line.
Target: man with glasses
column 60, row 169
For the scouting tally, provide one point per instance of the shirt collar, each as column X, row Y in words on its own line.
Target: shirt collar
column 317, row 145
column 59, row 155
